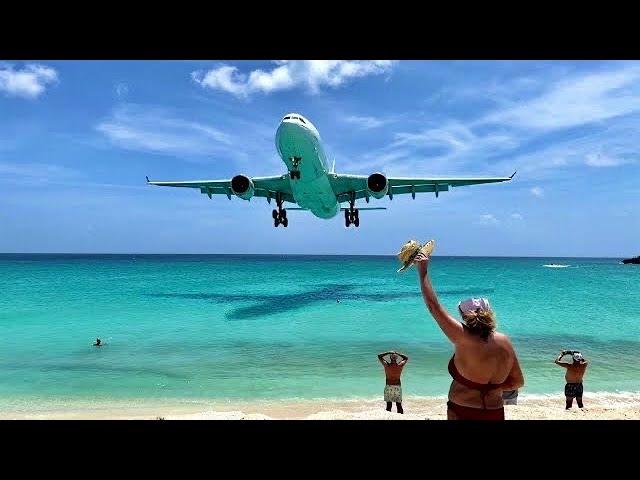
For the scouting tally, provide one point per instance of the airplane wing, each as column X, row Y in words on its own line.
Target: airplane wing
column 267, row 187
column 355, row 186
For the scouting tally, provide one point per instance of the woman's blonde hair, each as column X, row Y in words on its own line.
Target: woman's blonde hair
column 480, row 322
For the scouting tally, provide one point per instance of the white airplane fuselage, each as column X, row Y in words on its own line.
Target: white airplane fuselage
column 298, row 144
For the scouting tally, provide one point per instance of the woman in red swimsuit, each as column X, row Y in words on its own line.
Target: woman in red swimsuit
column 484, row 363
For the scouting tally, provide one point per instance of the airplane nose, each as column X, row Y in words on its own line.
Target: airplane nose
column 288, row 135
column 290, row 127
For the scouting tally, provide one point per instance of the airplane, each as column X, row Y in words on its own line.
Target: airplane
column 314, row 185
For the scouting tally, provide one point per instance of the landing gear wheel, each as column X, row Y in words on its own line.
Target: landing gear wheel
column 276, row 222
column 347, row 222
column 283, row 214
column 356, row 214
column 274, row 214
column 285, row 222
column 356, row 222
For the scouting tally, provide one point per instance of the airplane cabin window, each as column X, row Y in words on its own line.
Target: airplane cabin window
column 286, row 118
column 302, row 120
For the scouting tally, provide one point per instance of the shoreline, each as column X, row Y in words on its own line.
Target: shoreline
column 598, row 406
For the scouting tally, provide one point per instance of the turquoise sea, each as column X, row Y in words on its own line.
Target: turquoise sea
column 267, row 327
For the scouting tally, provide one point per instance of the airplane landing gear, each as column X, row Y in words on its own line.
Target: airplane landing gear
column 295, row 163
column 351, row 216
column 280, row 215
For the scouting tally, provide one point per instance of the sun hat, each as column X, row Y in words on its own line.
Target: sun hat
column 577, row 356
column 410, row 250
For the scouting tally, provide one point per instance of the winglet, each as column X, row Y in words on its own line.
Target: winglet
column 147, row 178
column 513, row 174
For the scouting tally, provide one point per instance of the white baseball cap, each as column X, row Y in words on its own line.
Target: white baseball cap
column 578, row 357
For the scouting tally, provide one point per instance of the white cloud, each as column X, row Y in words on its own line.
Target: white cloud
column 314, row 74
column 578, row 100
column 121, row 90
column 516, row 216
column 606, row 147
column 501, row 91
column 447, row 149
column 365, row 123
column 156, row 130
column 454, row 136
column 515, row 136
column 28, row 82
column 35, row 173
column 488, row 219
column 379, row 161
column 537, row 191
column 598, row 160
column 510, row 137
column 456, row 139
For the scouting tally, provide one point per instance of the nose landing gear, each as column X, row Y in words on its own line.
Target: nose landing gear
column 295, row 172
column 280, row 215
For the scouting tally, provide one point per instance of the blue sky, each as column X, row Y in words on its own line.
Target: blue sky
column 78, row 137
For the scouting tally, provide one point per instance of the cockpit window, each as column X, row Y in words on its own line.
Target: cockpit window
column 293, row 117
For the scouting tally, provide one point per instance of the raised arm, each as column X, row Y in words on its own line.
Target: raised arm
column 381, row 357
column 404, row 360
column 449, row 325
column 558, row 362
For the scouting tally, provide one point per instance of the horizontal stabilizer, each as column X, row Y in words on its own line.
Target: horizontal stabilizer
column 366, row 208
column 343, row 208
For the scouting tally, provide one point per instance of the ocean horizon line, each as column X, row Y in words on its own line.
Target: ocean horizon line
column 6, row 254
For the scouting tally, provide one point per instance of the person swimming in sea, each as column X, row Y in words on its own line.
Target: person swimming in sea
column 98, row 343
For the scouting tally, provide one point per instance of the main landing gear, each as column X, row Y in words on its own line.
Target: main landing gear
column 351, row 216
column 295, row 163
column 280, row 215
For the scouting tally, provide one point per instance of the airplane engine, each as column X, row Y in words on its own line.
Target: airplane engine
column 377, row 185
column 242, row 186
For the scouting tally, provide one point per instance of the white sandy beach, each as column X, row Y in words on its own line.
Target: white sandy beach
column 599, row 406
